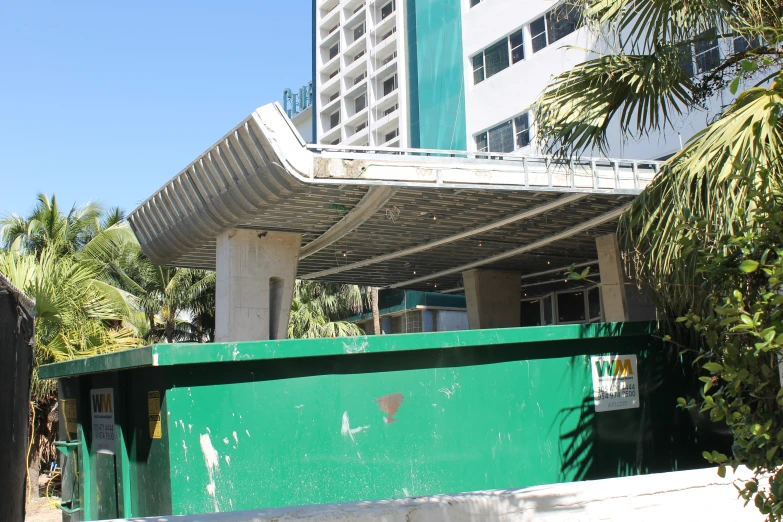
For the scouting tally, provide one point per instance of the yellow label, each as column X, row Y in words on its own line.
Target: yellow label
column 155, row 432
column 153, row 405
column 69, row 413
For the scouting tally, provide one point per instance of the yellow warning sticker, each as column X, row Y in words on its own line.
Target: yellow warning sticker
column 69, row 413
column 153, row 407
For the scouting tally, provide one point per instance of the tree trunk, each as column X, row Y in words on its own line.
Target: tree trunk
column 376, row 316
column 34, row 470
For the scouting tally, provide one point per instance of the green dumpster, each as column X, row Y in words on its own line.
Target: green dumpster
column 194, row 428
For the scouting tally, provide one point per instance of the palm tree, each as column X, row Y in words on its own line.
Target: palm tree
column 178, row 304
column 48, row 226
column 641, row 83
column 77, row 314
column 318, row 310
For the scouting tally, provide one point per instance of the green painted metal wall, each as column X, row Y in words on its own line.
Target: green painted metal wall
column 436, row 74
column 278, row 423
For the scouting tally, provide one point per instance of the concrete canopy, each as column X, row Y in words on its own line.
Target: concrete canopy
column 388, row 217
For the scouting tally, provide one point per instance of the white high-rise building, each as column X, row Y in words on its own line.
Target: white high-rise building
column 462, row 74
column 360, row 64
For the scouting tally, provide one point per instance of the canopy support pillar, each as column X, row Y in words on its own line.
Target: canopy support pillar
column 622, row 300
column 493, row 298
column 256, row 272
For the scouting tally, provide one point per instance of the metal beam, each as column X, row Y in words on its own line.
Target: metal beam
column 556, row 270
column 373, row 200
column 559, row 202
column 603, row 218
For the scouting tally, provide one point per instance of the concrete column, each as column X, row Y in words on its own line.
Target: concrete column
column 621, row 298
column 493, row 298
column 255, row 284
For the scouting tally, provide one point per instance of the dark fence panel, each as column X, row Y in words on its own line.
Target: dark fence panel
column 16, row 364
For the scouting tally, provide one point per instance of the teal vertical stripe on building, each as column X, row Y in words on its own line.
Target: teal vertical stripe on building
column 436, row 72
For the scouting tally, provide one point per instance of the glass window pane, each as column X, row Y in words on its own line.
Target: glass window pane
column 517, row 50
column 361, row 103
column 686, row 58
column 474, row 3
column 481, row 142
column 538, row 33
column 707, row 52
column 501, row 138
column 496, row 58
column 742, row 44
column 548, row 314
column 522, row 124
column 594, row 303
column 387, row 10
column 530, row 313
column 570, row 307
column 478, row 68
column 562, row 21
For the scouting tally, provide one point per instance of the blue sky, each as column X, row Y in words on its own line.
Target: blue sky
column 106, row 101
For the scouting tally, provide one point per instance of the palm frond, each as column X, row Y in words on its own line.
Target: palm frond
column 644, row 91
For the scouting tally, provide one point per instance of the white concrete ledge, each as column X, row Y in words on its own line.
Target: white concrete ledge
column 667, row 497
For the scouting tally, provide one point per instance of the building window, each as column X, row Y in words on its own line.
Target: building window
column 361, row 6
column 391, row 109
column 594, row 304
column 538, row 34
column 530, row 313
column 685, row 53
column 336, row 142
column 359, row 55
column 554, row 25
column 707, row 53
column 333, row 29
column 360, row 78
column 387, row 10
column 360, row 103
column 562, row 21
column 702, row 56
column 481, row 142
column 360, row 127
column 389, row 58
column 742, row 44
column 358, row 31
column 501, row 138
column 334, row 96
column 571, row 307
column 522, row 130
column 334, row 119
column 335, row 73
column 474, row 3
column 390, row 85
column 391, row 135
column 387, row 35
column 478, row 68
column 506, row 137
column 497, row 57
column 334, row 51
column 517, row 49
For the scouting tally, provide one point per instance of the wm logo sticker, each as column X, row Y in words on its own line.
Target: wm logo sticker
column 102, row 403
column 614, row 368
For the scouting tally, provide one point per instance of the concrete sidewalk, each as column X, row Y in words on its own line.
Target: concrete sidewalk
column 668, row 497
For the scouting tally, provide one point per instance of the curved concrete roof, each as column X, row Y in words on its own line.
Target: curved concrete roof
column 386, row 217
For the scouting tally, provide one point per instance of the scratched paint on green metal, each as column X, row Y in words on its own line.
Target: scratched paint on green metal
column 325, row 439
